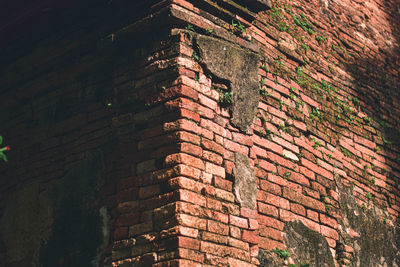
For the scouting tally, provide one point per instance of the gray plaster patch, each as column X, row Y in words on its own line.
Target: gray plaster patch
column 376, row 242
column 307, row 246
column 269, row 259
column 245, row 185
column 237, row 66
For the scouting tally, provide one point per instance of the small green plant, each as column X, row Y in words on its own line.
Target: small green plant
column 189, row 27
column 316, row 112
column 320, row 38
column 195, row 56
column 287, row 175
column 345, row 152
column 317, row 143
column 279, row 62
column 303, row 22
column 238, row 27
column 367, row 119
column 282, row 253
column 3, row 149
column 209, row 31
column 305, row 47
column 264, row 67
column 284, row 128
column 372, row 181
column 356, row 101
column 196, row 77
column 386, row 142
column 369, row 196
column 225, row 98
column 264, row 93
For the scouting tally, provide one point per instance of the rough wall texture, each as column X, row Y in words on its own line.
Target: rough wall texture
column 203, row 133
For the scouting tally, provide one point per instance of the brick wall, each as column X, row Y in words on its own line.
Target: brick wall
column 204, row 133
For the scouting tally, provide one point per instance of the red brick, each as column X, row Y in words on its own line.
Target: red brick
column 207, row 102
column 269, row 244
column 242, row 139
column 190, row 254
column 280, row 160
column 212, row 146
column 190, row 149
column 364, row 142
column 238, row 243
column 212, row 157
column 329, row 221
column 309, row 101
column 238, row 221
column 221, row 217
column 216, row 238
column 222, row 183
column 271, row 233
column 271, row 222
column 329, row 232
column 267, row 166
column 312, row 215
column 270, row 187
column 235, row 147
column 250, row 236
column 248, row 213
column 298, row 209
column 189, row 115
column 277, row 179
column 267, row 145
column 215, row 169
column 192, row 221
column 187, row 137
column 192, row 197
column 182, row 158
column 316, row 168
column 224, row 195
column 267, row 209
column 187, row 231
column 285, row 143
column 212, row 126
column 217, row 227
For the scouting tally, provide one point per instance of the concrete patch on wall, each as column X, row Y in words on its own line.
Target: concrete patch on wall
column 375, row 242
column 245, row 185
column 239, row 68
column 57, row 224
column 305, row 246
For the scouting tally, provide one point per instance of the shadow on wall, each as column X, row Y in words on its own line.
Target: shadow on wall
column 375, row 24
column 375, row 70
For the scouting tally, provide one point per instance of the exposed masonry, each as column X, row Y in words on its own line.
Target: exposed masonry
column 123, row 154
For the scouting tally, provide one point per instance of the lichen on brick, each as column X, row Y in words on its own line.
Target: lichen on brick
column 239, row 68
